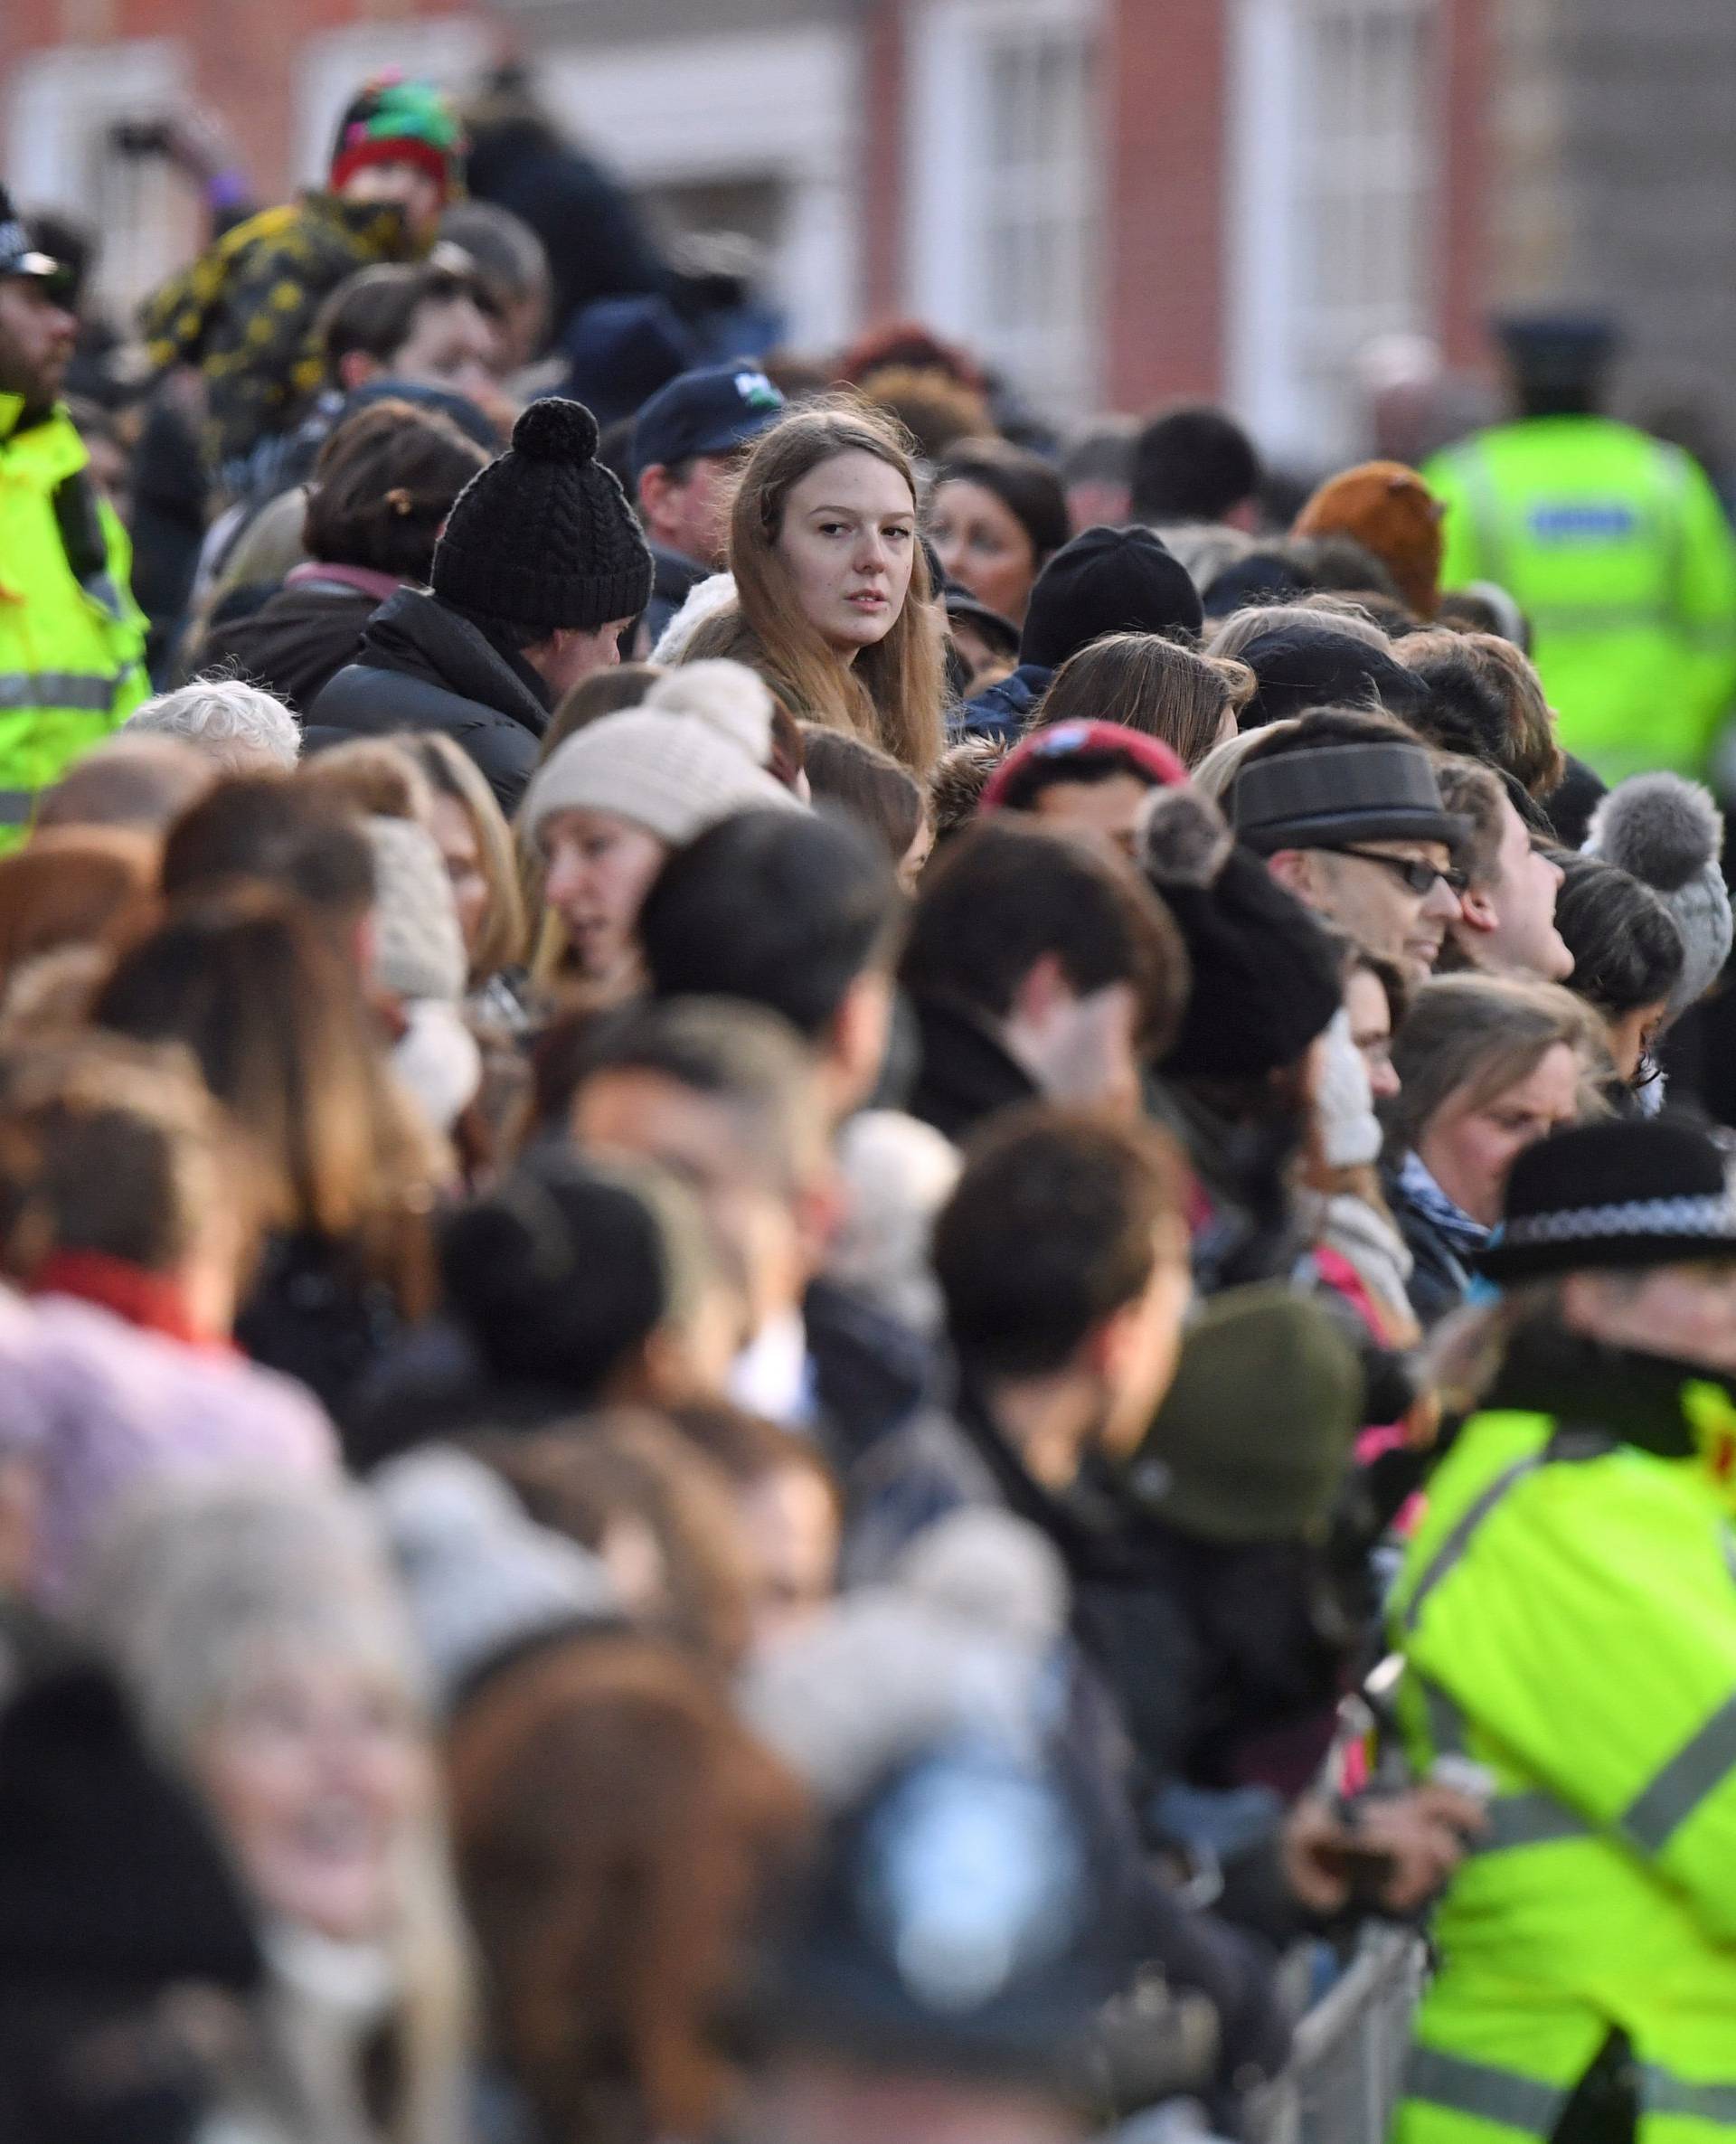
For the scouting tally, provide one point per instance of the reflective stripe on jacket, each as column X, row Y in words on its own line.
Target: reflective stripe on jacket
column 71, row 645
column 1567, row 1612
column 1618, row 551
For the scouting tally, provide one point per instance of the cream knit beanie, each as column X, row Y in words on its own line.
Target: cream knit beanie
column 694, row 752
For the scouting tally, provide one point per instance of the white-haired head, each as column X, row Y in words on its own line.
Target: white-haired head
column 243, row 729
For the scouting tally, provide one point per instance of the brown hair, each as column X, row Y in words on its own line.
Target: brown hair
column 383, row 485
column 617, row 1829
column 109, row 1147
column 1532, row 756
column 250, row 983
column 605, row 691
column 587, row 1477
column 748, row 1449
column 1473, row 1036
column 1150, row 685
column 1486, row 700
column 274, row 830
column 453, row 774
column 78, row 886
column 1088, row 1199
column 892, row 693
column 1475, row 794
column 136, row 779
column 866, row 782
column 937, row 411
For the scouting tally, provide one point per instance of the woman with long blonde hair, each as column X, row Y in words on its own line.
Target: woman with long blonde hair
column 833, row 605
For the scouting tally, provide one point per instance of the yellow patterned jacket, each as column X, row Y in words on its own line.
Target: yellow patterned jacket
column 245, row 314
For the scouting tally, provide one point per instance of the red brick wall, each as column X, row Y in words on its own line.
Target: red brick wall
column 882, row 115
column 1163, row 84
column 244, row 51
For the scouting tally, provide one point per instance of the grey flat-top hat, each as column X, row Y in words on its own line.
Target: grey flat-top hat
column 1338, row 793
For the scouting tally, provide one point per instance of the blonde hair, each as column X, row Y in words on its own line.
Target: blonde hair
column 892, row 693
column 1223, row 763
column 453, row 774
column 1337, row 613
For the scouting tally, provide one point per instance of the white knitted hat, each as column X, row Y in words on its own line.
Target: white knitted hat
column 417, row 947
column 694, row 752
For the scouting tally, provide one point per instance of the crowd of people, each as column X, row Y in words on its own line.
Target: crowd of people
column 845, row 1257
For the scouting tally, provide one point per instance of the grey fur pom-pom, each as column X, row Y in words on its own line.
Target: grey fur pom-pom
column 1187, row 839
column 1659, row 827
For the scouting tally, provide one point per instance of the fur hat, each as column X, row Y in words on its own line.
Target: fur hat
column 1395, row 518
column 1668, row 834
column 481, row 1577
column 693, row 751
column 898, row 1172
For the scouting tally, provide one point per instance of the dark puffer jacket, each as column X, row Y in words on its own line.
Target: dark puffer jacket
column 422, row 665
column 1002, row 709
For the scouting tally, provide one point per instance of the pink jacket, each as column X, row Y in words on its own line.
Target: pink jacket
column 100, row 1406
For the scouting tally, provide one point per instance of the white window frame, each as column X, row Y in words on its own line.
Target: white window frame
column 947, row 169
column 59, row 104
column 1280, row 339
column 776, row 105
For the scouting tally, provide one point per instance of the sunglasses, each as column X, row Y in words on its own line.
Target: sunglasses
column 1417, row 876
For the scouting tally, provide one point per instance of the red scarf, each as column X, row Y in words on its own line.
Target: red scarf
column 152, row 1301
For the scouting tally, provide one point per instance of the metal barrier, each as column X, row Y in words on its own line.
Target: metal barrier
column 1342, row 2083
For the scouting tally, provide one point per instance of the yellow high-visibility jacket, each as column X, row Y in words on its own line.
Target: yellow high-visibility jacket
column 71, row 638
column 1618, row 551
column 1567, row 1616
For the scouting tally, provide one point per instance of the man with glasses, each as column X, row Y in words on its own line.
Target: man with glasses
column 1345, row 808
column 71, row 639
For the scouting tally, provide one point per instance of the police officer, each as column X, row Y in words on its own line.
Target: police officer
column 71, row 639
column 1567, row 1618
column 1615, row 546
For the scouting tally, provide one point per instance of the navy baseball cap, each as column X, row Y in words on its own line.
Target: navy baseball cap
column 712, row 410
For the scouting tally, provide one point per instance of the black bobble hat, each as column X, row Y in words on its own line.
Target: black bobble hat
column 1267, row 979
column 1614, row 1194
column 544, row 537
column 110, row 1877
column 1108, row 580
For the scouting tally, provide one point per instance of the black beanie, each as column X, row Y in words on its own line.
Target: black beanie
column 1108, row 580
column 1296, row 667
column 110, row 1877
column 561, row 1272
column 544, row 537
column 1267, row 979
